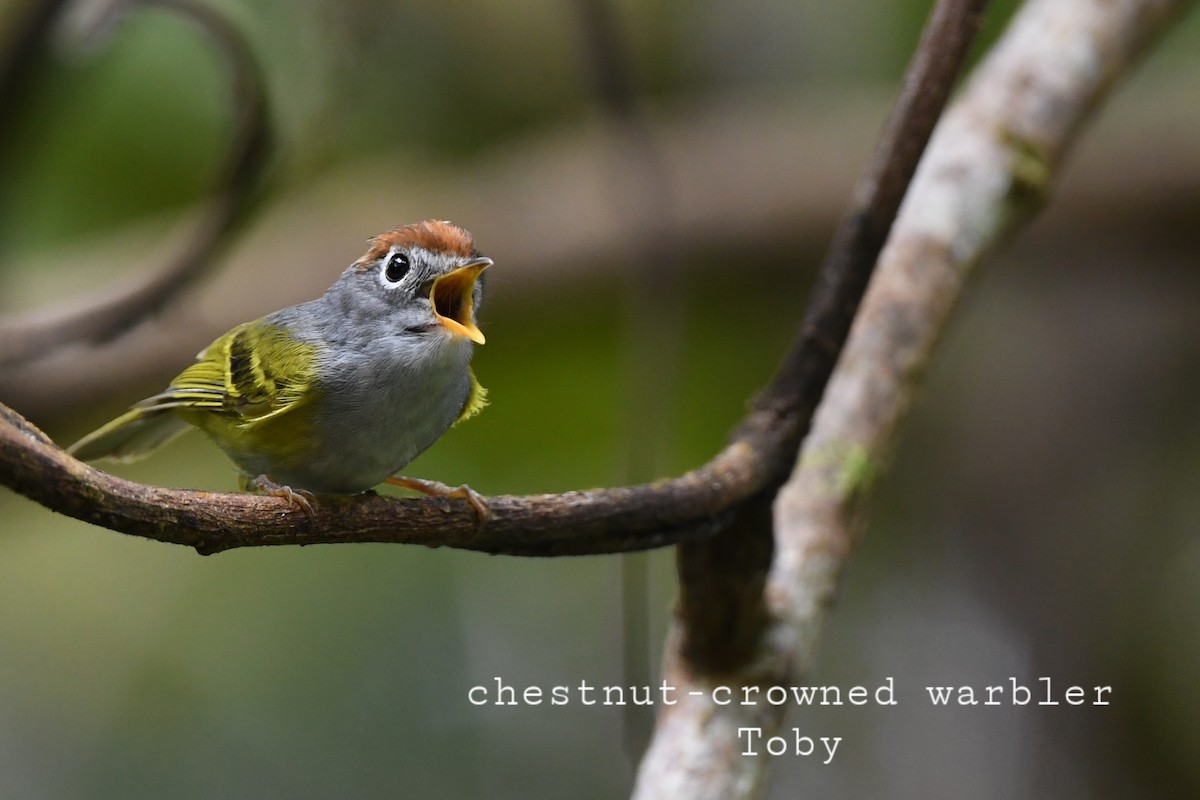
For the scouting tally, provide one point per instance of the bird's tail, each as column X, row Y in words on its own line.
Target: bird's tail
column 134, row 434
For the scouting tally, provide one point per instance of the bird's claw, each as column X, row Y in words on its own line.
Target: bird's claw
column 302, row 499
column 437, row 489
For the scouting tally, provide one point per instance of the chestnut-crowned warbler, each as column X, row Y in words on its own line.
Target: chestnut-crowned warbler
column 336, row 395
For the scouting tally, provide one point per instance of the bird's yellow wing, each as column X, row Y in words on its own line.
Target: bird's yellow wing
column 257, row 370
column 254, row 373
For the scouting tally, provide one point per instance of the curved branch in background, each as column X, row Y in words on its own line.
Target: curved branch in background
column 987, row 170
column 32, row 31
column 99, row 318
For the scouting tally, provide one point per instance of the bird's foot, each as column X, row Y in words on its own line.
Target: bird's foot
column 298, row 498
column 436, row 489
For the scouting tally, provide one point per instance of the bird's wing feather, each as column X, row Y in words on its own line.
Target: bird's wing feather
column 255, row 371
column 134, row 434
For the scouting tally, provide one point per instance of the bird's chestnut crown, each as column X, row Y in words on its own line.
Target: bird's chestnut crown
column 433, row 235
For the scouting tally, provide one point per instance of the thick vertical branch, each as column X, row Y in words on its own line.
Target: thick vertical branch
column 722, row 610
column 723, row 619
column 986, row 171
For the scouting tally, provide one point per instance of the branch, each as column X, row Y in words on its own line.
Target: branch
column 986, row 172
column 28, row 41
column 722, row 610
column 99, row 318
column 723, row 624
column 589, row 522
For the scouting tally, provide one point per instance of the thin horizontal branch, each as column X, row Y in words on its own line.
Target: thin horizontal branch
column 100, row 317
column 574, row 523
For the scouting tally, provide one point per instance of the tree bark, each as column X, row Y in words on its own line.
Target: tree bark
column 987, row 170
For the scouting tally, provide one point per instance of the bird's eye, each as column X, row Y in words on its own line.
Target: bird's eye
column 396, row 268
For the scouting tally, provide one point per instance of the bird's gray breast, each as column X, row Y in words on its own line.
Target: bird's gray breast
column 383, row 404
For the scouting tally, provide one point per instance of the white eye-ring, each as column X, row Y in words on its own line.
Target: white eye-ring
column 395, row 267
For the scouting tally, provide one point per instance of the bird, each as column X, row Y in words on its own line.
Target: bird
column 336, row 395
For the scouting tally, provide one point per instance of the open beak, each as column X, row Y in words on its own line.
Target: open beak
column 453, row 299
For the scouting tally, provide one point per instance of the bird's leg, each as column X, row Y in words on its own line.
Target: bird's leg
column 436, row 489
column 304, row 500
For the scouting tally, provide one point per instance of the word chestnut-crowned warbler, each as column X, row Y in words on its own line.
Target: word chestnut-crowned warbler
column 336, row 395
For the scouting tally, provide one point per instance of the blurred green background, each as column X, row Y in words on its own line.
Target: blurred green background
column 1039, row 519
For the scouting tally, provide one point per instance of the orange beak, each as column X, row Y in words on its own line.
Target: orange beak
column 453, row 299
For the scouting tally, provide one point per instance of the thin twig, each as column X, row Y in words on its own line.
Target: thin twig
column 653, row 321
column 28, row 43
column 99, row 318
